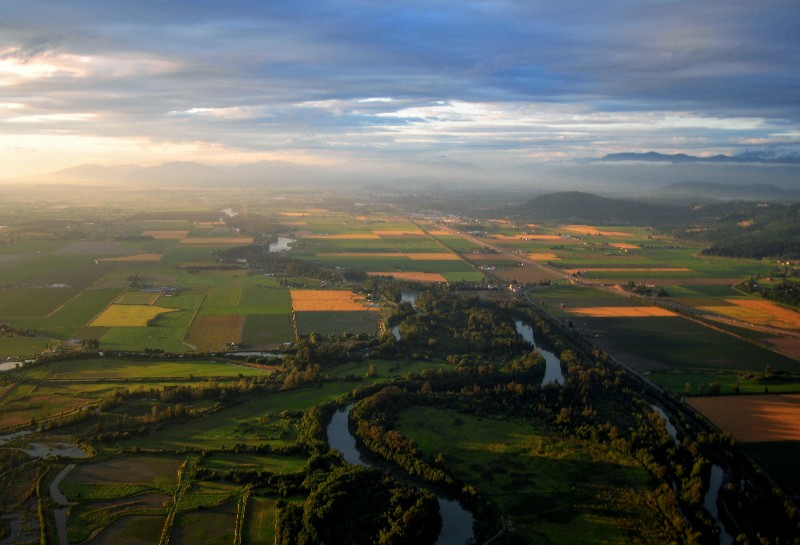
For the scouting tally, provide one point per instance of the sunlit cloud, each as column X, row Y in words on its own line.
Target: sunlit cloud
column 489, row 82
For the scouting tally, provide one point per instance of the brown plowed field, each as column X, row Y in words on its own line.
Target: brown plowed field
column 412, row 276
column 326, row 300
column 591, row 230
column 622, row 312
column 757, row 418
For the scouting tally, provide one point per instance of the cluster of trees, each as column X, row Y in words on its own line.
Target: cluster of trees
column 359, row 506
column 446, row 324
column 786, row 292
column 259, row 257
column 646, row 290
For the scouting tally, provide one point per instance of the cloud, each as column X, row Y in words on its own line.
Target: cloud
column 495, row 79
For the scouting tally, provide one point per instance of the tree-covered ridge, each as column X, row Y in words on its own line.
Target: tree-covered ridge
column 735, row 229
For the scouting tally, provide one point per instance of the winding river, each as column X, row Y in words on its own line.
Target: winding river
column 552, row 373
column 456, row 521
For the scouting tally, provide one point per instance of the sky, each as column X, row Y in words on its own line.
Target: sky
column 322, row 82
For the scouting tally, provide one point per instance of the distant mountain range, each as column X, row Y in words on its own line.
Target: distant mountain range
column 411, row 174
column 746, row 157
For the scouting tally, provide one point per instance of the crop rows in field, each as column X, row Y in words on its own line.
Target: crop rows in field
column 210, row 333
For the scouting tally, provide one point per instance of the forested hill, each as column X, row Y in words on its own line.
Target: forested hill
column 738, row 229
column 579, row 207
column 773, row 231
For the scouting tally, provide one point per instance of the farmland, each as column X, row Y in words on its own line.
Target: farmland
column 184, row 363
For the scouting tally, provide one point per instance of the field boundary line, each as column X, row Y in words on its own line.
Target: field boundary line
column 84, row 290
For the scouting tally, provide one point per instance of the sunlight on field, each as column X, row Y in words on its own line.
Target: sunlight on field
column 345, row 236
column 757, row 312
column 591, row 230
column 398, row 232
column 213, row 241
column 326, row 300
column 435, row 256
column 623, row 246
column 626, row 269
column 360, row 254
column 129, row 315
column 543, row 256
column 136, row 257
column 526, row 237
column 411, row 276
column 755, row 418
column 166, row 235
column 622, row 312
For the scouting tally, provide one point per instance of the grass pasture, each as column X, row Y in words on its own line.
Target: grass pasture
column 34, row 301
column 122, row 476
column 103, row 369
column 17, row 346
column 678, row 343
column 253, row 462
column 215, row 526
column 211, row 333
column 253, row 422
column 24, row 402
column 531, row 472
column 337, row 322
column 259, row 525
column 263, row 330
column 132, row 530
column 137, row 298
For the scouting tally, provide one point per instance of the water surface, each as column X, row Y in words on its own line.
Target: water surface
column 457, row 522
column 552, row 372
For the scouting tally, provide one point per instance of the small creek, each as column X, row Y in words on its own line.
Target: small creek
column 671, row 429
column 715, row 483
column 552, row 373
column 456, row 521
column 409, row 297
column 60, row 515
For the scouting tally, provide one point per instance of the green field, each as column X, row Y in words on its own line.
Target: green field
column 555, row 489
column 261, row 330
column 337, row 322
column 111, row 368
column 681, row 344
column 259, row 527
column 253, row 422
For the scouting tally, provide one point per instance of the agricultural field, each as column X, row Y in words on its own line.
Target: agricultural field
column 756, row 418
